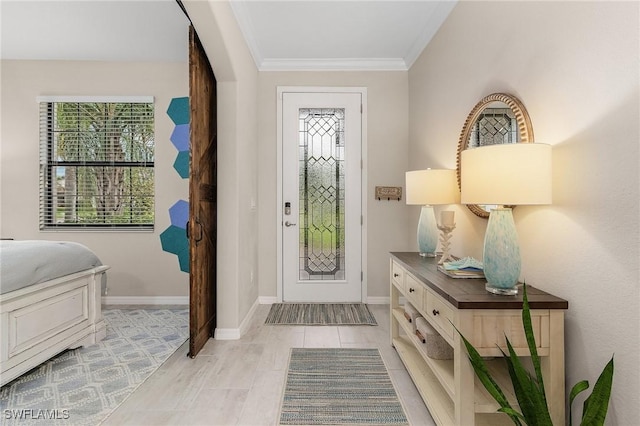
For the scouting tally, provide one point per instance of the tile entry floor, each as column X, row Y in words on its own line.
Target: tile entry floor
column 240, row 382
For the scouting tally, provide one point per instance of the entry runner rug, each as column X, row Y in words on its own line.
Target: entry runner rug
column 83, row 386
column 339, row 386
column 320, row 314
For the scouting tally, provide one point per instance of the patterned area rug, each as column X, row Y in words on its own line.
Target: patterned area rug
column 320, row 314
column 339, row 386
column 82, row 386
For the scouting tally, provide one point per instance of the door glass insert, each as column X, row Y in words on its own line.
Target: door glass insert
column 494, row 126
column 321, row 174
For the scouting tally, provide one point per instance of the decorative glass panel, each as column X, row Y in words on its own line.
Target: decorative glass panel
column 321, row 148
column 494, row 126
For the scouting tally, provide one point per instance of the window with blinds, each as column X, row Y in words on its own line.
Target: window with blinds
column 96, row 163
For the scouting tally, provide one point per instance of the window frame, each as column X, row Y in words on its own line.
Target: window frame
column 48, row 165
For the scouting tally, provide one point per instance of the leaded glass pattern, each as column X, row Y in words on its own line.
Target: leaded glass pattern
column 322, row 202
column 494, row 126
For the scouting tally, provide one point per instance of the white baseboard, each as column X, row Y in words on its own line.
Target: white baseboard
column 267, row 300
column 227, row 334
column 236, row 333
column 378, row 300
column 244, row 326
column 145, row 300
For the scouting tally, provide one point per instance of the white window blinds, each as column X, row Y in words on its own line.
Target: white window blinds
column 96, row 163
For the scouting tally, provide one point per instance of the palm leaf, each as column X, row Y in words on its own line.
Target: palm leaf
column 513, row 413
column 596, row 405
column 531, row 342
column 575, row 390
column 531, row 400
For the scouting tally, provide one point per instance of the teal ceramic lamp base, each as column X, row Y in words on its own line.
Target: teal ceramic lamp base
column 501, row 257
column 427, row 232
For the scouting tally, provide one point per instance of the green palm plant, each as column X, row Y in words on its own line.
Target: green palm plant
column 529, row 388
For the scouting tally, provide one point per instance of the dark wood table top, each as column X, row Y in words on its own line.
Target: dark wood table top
column 470, row 293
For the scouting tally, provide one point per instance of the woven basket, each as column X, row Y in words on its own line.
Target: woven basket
column 436, row 346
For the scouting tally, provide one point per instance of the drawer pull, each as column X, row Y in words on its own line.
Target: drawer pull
column 411, row 289
column 396, row 275
column 435, row 312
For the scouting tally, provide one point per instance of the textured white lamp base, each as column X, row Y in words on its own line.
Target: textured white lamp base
column 427, row 232
column 501, row 257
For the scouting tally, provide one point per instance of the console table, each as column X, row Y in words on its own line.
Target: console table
column 448, row 387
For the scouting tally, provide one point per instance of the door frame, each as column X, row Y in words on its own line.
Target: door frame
column 281, row 90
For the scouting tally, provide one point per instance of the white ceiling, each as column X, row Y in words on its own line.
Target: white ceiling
column 143, row 30
column 282, row 35
column 339, row 34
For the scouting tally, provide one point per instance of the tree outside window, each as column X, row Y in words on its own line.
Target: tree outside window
column 97, row 164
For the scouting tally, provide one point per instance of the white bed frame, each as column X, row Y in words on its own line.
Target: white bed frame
column 42, row 320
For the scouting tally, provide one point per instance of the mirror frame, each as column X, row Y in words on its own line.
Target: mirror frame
column 525, row 131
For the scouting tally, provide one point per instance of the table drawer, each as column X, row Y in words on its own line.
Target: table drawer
column 397, row 274
column 414, row 290
column 441, row 314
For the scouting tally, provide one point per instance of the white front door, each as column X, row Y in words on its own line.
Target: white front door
column 321, row 195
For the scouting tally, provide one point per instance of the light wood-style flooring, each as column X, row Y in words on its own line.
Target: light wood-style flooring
column 240, row 382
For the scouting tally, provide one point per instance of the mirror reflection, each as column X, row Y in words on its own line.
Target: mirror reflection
column 496, row 124
column 497, row 119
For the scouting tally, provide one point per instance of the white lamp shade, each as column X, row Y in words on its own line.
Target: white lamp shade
column 432, row 186
column 508, row 174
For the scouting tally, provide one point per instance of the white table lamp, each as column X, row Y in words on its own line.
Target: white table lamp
column 505, row 175
column 428, row 188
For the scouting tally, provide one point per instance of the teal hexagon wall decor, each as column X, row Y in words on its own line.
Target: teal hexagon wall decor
column 182, row 164
column 178, row 110
column 174, row 238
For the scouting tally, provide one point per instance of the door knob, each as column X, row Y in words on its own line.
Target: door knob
column 287, row 224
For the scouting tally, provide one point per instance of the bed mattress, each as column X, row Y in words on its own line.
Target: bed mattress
column 27, row 262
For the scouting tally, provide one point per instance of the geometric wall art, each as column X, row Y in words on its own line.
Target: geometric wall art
column 182, row 164
column 174, row 238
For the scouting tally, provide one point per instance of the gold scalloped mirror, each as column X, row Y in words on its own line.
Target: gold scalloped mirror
column 498, row 118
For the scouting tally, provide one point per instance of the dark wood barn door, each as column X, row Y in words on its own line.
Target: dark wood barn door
column 202, row 226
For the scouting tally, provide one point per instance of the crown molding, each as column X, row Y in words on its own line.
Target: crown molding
column 353, row 64
column 240, row 10
column 442, row 10
column 241, row 13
